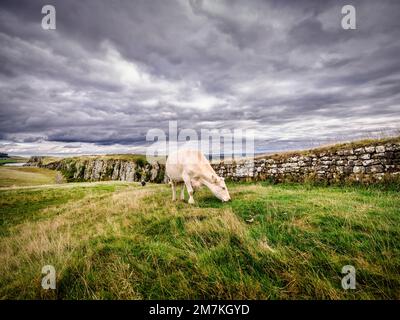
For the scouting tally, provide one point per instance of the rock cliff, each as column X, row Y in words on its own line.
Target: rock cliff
column 100, row 168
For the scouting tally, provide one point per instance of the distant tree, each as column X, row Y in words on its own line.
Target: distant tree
column 4, row 155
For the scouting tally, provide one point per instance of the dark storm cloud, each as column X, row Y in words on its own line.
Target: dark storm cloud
column 112, row 71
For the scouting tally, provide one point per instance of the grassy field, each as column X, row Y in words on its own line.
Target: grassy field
column 26, row 176
column 116, row 240
column 12, row 159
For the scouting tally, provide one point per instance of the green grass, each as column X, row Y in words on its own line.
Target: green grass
column 12, row 159
column 4, row 161
column 26, row 176
column 116, row 240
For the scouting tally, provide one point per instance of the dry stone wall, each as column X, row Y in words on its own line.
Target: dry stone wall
column 365, row 164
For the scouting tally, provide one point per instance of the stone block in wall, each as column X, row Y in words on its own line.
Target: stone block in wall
column 340, row 169
column 308, row 169
column 365, row 156
column 340, row 152
column 370, row 162
column 348, row 152
column 380, row 149
column 380, row 155
column 359, row 151
column 374, row 169
column 392, row 147
column 348, row 170
column 289, row 165
column 358, row 169
column 370, row 149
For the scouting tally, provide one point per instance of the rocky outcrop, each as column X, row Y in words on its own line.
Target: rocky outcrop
column 98, row 169
column 34, row 161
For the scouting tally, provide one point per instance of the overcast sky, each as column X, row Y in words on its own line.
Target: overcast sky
column 112, row 70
